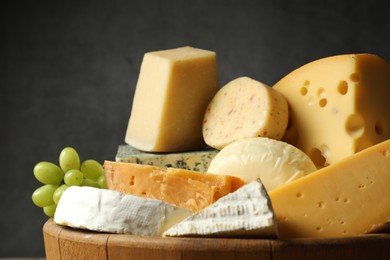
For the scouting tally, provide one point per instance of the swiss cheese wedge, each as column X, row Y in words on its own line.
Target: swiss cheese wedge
column 339, row 105
column 179, row 187
column 348, row 198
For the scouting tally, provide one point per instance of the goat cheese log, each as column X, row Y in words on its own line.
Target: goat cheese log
column 244, row 108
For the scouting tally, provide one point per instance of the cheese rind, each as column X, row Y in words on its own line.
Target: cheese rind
column 183, row 188
column 338, row 106
column 348, row 198
column 173, row 90
column 244, row 108
column 194, row 161
column 275, row 162
column 247, row 212
column 111, row 211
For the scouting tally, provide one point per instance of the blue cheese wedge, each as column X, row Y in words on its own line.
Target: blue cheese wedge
column 194, row 161
column 115, row 212
column 246, row 212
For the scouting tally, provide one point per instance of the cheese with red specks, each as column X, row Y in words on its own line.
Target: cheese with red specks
column 244, row 108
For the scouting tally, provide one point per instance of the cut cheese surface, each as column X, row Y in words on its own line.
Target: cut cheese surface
column 195, row 160
column 110, row 211
column 244, row 108
column 183, row 188
column 276, row 163
column 247, row 212
column 348, row 198
column 173, row 90
column 338, row 106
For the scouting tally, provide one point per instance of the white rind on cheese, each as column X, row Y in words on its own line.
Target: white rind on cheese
column 275, row 162
column 194, row 161
column 246, row 212
column 115, row 212
column 244, row 108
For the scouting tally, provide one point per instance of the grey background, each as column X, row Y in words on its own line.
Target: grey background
column 68, row 71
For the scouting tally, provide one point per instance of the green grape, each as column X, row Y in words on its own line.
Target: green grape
column 50, row 210
column 69, row 159
column 92, row 169
column 102, row 182
column 90, row 183
column 58, row 193
column 73, row 177
column 43, row 196
column 48, row 173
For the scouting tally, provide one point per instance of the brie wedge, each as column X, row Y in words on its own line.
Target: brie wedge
column 115, row 212
column 246, row 212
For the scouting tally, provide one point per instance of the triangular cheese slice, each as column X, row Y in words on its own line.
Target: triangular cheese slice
column 246, row 212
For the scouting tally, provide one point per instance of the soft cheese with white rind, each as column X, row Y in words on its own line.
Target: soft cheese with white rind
column 246, row 212
column 244, row 108
column 198, row 160
column 275, row 162
column 115, row 212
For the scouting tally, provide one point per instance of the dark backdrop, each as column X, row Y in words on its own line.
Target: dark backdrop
column 68, row 71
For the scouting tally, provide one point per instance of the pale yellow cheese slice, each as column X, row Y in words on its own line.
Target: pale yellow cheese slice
column 244, row 108
column 348, row 198
column 276, row 163
column 173, row 90
column 338, row 106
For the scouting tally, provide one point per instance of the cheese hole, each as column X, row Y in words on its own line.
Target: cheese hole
column 323, row 102
column 354, row 125
column 131, row 181
column 306, row 83
column 317, row 157
column 299, row 195
column 303, row 91
column 321, row 204
column 385, row 152
column 361, row 186
column 320, row 91
column 342, row 88
column 319, row 229
column 355, row 77
column 379, row 128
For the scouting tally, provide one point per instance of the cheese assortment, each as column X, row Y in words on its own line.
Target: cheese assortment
column 115, row 212
column 244, row 108
column 306, row 158
column 275, row 162
column 173, row 90
column 246, row 212
column 183, row 188
column 338, row 106
column 198, row 161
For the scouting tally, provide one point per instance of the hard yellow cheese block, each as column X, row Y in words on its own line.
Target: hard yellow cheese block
column 172, row 93
column 182, row 188
column 338, row 106
column 348, row 198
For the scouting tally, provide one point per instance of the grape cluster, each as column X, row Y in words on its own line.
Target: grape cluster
column 57, row 178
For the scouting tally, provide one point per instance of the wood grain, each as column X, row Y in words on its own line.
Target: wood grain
column 66, row 243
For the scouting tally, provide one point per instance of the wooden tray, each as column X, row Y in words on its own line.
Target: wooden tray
column 67, row 243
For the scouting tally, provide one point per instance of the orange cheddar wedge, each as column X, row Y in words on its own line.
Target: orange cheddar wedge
column 182, row 188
